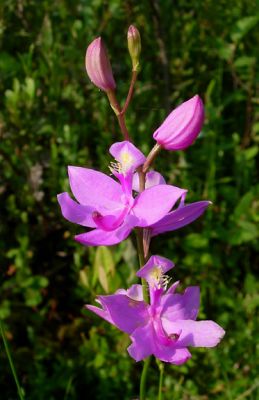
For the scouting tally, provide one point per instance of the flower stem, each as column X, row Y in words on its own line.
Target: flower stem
column 142, row 260
column 161, row 376
column 130, row 92
column 150, row 158
column 119, row 114
column 19, row 389
column 139, row 233
column 142, row 392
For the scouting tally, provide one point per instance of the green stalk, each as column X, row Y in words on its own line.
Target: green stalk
column 161, row 376
column 143, row 379
column 19, row 389
column 139, row 233
column 142, row 388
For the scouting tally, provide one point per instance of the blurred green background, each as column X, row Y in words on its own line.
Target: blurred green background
column 52, row 116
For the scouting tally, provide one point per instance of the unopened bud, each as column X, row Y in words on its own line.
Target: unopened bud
column 134, row 45
column 98, row 65
column 182, row 126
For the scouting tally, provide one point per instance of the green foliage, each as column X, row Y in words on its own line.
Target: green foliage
column 51, row 116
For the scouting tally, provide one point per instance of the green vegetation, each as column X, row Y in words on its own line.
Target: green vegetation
column 51, row 116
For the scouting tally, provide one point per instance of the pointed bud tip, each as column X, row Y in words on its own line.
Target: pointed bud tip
column 132, row 31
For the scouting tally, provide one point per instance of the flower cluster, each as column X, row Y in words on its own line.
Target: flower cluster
column 164, row 324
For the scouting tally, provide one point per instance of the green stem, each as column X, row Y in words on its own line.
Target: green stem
column 19, row 389
column 161, row 376
column 142, row 388
column 139, row 233
column 142, row 391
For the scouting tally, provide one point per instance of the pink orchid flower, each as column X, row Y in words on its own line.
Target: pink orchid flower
column 109, row 206
column 167, row 326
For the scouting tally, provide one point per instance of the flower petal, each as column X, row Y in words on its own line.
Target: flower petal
column 128, row 155
column 155, row 267
column 142, row 342
column 100, row 312
column 127, row 314
column 75, row 212
column 196, row 333
column 135, row 292
column 180, row 217
column 153, row 178
column 181, row 306
column 172, row 355
column 110, row 222
column 93, row 188
column 152, row 204
column 98, row 237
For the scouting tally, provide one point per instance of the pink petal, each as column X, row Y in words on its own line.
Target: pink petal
column 128, row 155
column 142, row 342
column 155, row 264
column 181, row 306
column 100, row 312
column 95, row 189
column 180, row 217
column 135, row 292
column 98, row 237
column 127, row 314
column 152, row 204
column 172, row 355
column 75, row 212
column 195, row 333
column 172, row 288
column 153, row 178
column 110, row 222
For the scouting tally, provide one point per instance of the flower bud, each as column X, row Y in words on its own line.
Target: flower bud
column 182, row 126
column 98, row 65
column 134, row 45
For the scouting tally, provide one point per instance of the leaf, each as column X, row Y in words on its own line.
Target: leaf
column 244, row 232
column 225, row 49
column 250, row 284
column 5, row 309
column 196, row 241
column 83, row 278
column 103, row 278
column 29, row 87
column 103, row 266
column 243, row 26
column 251, row 152
column 245, row 205
column 244, row 61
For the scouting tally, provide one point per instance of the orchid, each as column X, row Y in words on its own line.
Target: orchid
column 167, row 326
column 159, row 321
column 108, row 206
